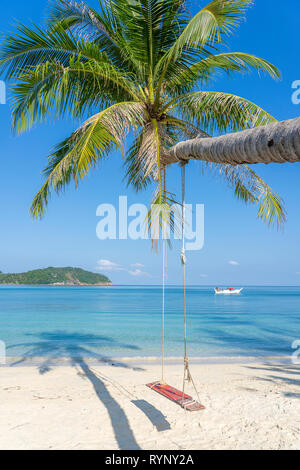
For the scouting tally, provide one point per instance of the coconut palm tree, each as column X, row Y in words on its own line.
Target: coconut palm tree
column 135, row 71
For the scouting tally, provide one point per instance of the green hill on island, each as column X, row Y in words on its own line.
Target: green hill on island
column 56, row 276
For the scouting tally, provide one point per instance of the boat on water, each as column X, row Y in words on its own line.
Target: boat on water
column 228, row 290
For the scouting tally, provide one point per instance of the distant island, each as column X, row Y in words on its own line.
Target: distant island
column 56, row 277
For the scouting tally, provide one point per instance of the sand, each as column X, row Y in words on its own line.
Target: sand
column 88, row 406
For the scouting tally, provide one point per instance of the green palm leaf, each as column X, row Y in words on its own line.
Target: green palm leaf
column 206, row 28
column 74, row 89
column 30, row 47
column 205, row 70
column 221, row 112
column 251, row 189
column 104, row 27
column 163, row 217
column 75, row 156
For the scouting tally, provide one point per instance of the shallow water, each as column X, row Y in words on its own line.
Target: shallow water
column 108, row 322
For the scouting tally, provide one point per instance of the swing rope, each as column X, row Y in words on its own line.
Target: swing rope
column 163, row 317
column 187, row 377
column 163, row 293
column 177, row 396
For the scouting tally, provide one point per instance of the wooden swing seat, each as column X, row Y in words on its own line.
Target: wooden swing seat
column 185, row 401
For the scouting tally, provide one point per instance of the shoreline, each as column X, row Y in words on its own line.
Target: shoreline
column 170, row 286
column 144, row 360
column 58, row 284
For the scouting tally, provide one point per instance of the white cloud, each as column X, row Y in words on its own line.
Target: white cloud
column 203, row 275
column 106, row 262
column 108, row 265
column 298, row 272
column 138, row 272
column 233, row 263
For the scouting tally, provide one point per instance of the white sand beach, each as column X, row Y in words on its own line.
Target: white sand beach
column 248, row 406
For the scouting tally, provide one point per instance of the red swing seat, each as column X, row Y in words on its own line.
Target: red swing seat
column 184, row 400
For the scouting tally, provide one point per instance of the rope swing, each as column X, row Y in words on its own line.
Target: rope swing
column 187, row 377
column 177, row 396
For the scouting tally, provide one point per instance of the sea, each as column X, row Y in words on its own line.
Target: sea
column 110, row 322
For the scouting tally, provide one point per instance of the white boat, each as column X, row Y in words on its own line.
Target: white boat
column 229, row 290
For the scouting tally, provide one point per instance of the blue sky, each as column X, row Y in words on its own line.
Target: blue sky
column 67, row 235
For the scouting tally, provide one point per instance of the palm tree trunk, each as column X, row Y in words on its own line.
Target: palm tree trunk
column 278, row 143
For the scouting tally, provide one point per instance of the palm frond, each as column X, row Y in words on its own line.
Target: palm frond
column 93, row 140
column 250, row 188
column 102, row 27
column 141, row 159
column 72, row 90
column 149, row 26
column 203, row 71
column 80, row 17
column 150, row 150
column 31, row 46
column 206, row 28
column 220, row 17
column 271, row 207
column 182, row 130
column 221, row 112
column 134, row 165
column 164, row 217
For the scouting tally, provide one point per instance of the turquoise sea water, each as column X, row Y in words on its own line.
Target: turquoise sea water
column 111, row 322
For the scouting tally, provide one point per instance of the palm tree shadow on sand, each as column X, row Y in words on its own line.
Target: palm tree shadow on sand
column 51, row 348
column 281, row 374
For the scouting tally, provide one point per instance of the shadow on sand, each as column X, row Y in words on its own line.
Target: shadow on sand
column 51, row 348
column 282, row 373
